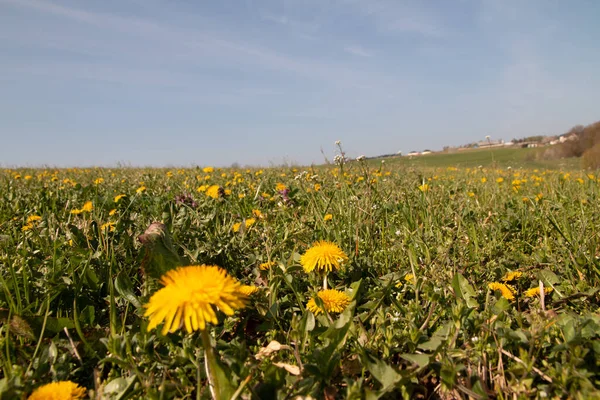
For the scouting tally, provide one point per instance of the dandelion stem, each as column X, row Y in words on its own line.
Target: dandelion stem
column 542, row 305
column 324, row 281
column 210, row 362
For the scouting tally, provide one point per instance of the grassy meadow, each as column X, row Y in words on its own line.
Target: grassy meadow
column 504, row 157
column 459, row 281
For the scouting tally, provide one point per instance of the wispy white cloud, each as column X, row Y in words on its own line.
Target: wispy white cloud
column 278, row 19
column 102, row 20
column 195, row 46
column 357, row 51
column 398, row 16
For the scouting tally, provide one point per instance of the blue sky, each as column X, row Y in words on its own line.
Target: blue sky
column 185, row 82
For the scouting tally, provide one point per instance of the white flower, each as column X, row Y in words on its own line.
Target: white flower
column 360, row 158
column 301, row 175
column 338, row 142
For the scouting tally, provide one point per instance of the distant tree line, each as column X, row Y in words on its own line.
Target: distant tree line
column 528, row 139
column 583, row 142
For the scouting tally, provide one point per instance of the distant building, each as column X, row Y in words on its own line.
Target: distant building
column 482, row 144
column 413, row 153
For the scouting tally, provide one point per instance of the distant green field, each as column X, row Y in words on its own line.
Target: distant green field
column 503, row 157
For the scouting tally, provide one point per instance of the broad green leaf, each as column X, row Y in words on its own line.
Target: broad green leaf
column 310, row 321
column 124, row 288
column 53, row 325
column 226, row 387
column 355, row 289
column 464, row 290
column 548, row 277
column 501, row 305
column 384, row 373
column 87, row 316
column 432, row 345
column 422, row 360
column 118, row 387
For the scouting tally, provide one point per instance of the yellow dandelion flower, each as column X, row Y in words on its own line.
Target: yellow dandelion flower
column 98, row 181
column 214, row 191
column 112, row 212
column 424, row 187
column 87, row 207
column 511, row 276
column 257, row 213
column 64, row 390
column 500, row 180
column 483, row 180
column 328, row 217
column 471, row 194
column 27, row 227
column 409, row 278
column 333, row 300
column 323, row 255
column 280, row 187
column 141, row 189
column 535, row 291
column 189, row 298
column 248, row 290
column 33, row 218
column 227, row 192
column 208, row 170
column 317, row 187
column 248, row 223
column 109, row 225
column 119, row 197
column 508, row 292
column 267, row 265
column 241, row 195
